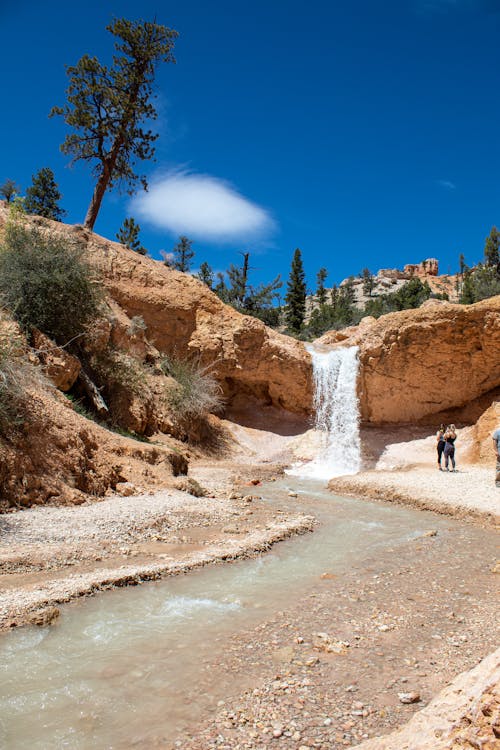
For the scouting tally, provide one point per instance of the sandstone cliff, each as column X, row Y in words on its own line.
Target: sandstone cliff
column 54, row 453
column 183, row 317
column 417, row 363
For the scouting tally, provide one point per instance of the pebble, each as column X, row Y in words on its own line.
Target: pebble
column 412, row 697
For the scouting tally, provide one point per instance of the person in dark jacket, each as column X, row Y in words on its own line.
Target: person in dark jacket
column 449, row 447
column 440, row 445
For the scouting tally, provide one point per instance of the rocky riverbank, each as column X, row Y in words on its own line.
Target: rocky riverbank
column 54, row 554
column 352, row 659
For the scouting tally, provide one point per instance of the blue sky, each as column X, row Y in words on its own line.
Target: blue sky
column 366, row 133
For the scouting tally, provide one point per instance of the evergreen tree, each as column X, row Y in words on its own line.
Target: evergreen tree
column 206, row 274
column 9, row 190
column 295, row 298
column 183, row 254
column 43, row 195
column 221, row 289
column 238, row 282
column 491, row 252
column 320, row 285
column 128, row 235
column 259, row 301
column 251, row 300
column 368, row 281
column 334, row 296
column 108, row 108
column 481, row 283
column 467, row 295
column 344, row 308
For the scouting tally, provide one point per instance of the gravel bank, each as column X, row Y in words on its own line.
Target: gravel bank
column 51, row 555
column 470, row 492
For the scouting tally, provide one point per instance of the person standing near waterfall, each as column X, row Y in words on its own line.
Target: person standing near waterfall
column 440, row 445
column 496, row 445
column 449, row 448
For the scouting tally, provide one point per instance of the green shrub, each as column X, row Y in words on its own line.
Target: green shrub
column 481, row 283
column 15, row 375
column 46, row 283
column 197, row 394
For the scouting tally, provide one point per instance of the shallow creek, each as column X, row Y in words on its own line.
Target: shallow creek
column 132, row 665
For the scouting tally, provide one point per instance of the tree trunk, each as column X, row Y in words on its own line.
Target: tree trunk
column 93, row 393
column 95, row 203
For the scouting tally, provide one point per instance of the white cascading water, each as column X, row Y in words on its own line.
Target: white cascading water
column 337, row 415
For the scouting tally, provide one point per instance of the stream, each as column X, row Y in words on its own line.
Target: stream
column 133, row 665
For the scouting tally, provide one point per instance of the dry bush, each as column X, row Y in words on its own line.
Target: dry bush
column 17, row 374
column 197, row 394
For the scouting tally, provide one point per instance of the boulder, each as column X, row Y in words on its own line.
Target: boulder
column 481, row 450
column 59, row 365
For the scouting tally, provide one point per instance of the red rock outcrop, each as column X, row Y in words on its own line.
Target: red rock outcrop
column 429, row 267
column 417, row 363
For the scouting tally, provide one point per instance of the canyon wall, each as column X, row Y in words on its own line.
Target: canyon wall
column 184, row 318
column 418, row 363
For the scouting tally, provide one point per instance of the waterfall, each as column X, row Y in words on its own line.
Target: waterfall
column 336, row 414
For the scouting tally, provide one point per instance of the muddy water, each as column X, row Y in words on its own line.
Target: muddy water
column 131, row 667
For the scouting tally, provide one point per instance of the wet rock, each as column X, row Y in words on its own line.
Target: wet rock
column 43, row 617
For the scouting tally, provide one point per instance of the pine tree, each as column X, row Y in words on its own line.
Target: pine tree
column 491, row 249
column 108, row 108
column 206, row 274
column 128, row 235
column 9, row 190
column 368, row 281
column 461, row 263
column 43, row 195
column 334, row 296
column 183, row 254
column 295, row 298
column 320, row 286
column 467, row 296
column 221, row 289
column 238, row 282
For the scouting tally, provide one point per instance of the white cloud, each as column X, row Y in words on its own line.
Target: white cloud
column 202, row 207
column 447, row 184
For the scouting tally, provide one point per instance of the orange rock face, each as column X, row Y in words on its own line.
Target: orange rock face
column 483, row 449
column 183, row 317
column 417, row 363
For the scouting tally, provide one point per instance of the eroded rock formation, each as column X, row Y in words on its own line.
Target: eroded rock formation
column 56, row 454
column 417, row 363
column 183, row 317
